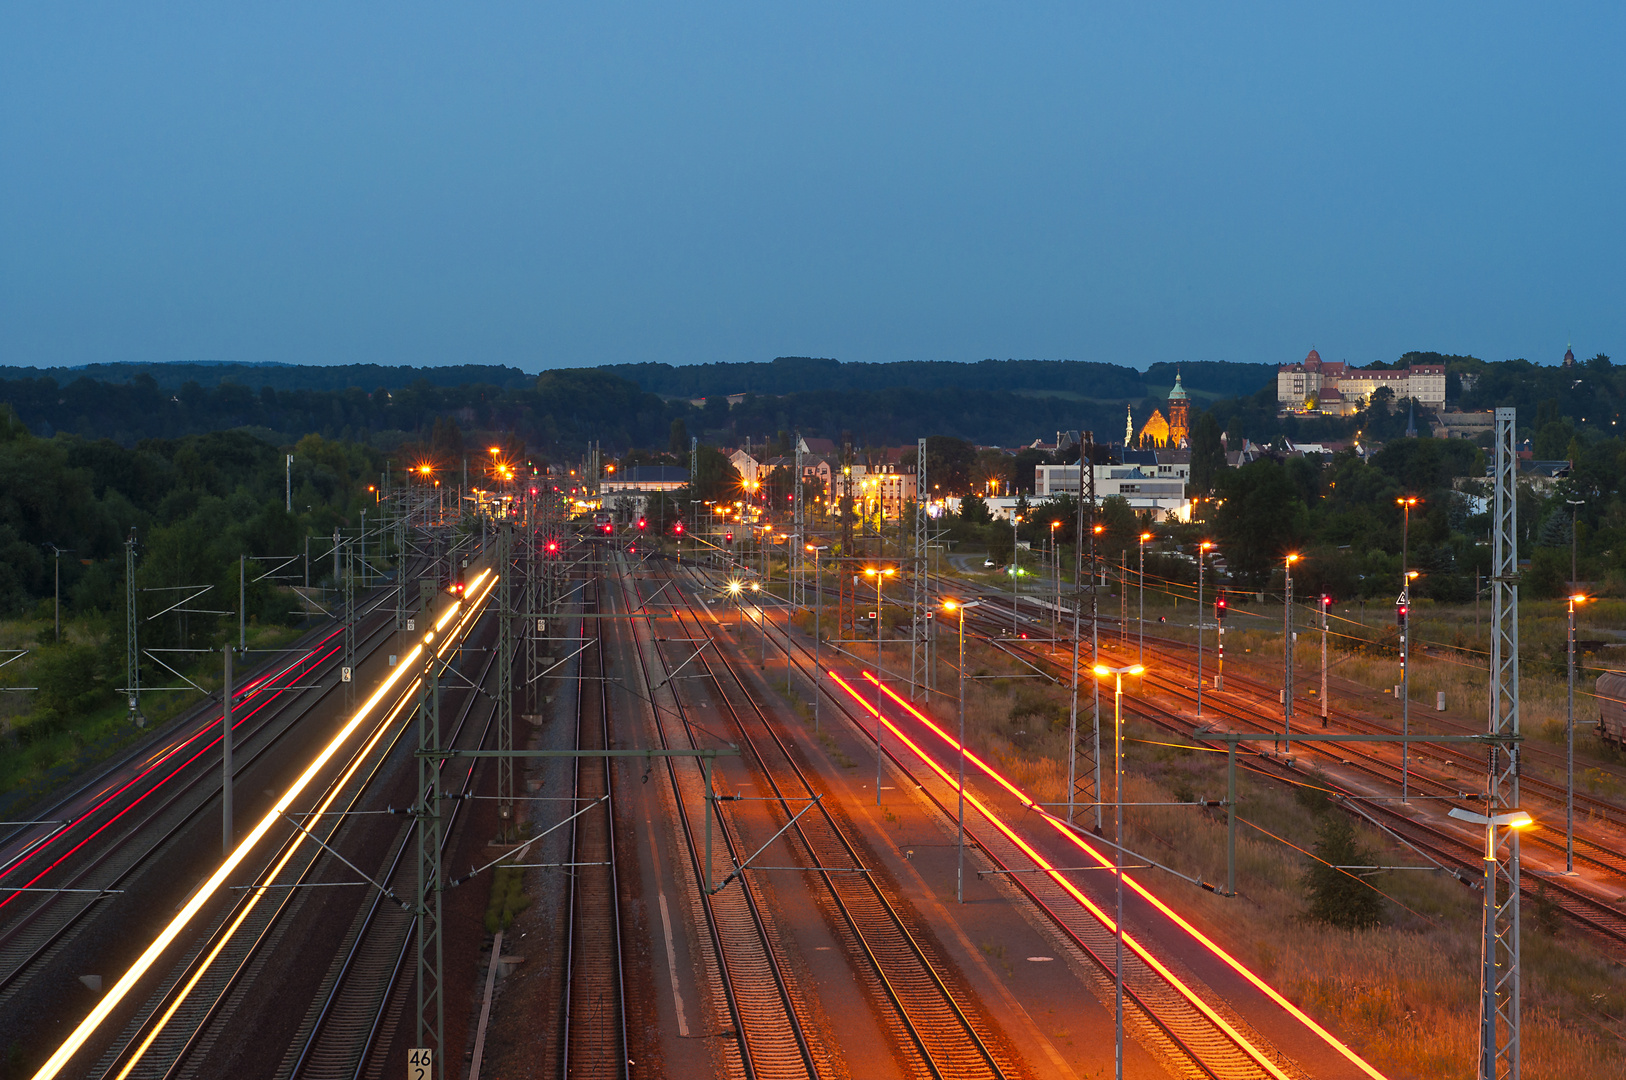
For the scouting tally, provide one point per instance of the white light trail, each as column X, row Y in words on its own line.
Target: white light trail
column 110, row 1001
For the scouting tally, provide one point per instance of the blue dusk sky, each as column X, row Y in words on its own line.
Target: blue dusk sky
column 552, row 184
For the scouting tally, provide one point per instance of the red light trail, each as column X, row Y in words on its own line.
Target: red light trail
column 1063, row 829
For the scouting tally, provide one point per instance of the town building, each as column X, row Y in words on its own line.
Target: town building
column 629, row 489
column 1336, row 389
column 1148, row 480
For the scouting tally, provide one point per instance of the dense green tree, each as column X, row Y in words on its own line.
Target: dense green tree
column 1207, row 454
column 716, row 479
column 1337, row 897
column 1259, row 517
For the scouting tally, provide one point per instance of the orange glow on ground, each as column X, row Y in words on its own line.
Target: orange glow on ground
column 1089, row 905
column 1129, row 879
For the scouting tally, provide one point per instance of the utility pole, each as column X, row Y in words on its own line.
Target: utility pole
column 226, row 735
column 1287, row 636
column 431, row 1015
column 919, row 634
column 132, row 653
column 1326, row 605
column 505, row 678
column 1575, row 506
column 290, row 484
column 1406, row 503
column 1499, row 1043
column 242, row 607
column 1084, row 764
column 57, row 575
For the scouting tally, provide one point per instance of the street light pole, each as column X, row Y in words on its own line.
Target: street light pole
column 1202, row 557
column 1287, row 635
column 1118, row 863
column 1569, row 749
column 879, row 575
column 1575, row 506
column 959, row 865
column 818, row 610
column 1016, row 570
column 1406, row 503
column 1145, row 536
column 1326, row 604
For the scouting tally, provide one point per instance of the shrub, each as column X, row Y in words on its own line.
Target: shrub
column 1336, row 897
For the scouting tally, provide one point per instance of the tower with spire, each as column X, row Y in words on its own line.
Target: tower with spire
column 1129, row 426
column 1179, row 415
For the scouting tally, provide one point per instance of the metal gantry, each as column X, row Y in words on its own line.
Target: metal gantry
column 920, row 636
column 1084, row 767
column 431, row 1014
column 505, row 678
column 1499, row 985
column 797, row 556
column 132, row 653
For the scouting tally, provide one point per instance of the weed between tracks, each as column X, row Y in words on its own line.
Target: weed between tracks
column 1405, row 994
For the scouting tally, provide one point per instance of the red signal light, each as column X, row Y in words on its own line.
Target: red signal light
column 1400, row 614
column 1219, row 606
column 678, row 528
column 643, row 523
column 729, row 537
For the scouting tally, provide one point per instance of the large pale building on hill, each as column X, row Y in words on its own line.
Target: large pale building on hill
column 1335, row 388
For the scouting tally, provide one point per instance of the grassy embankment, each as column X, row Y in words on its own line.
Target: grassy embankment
column 47, row 742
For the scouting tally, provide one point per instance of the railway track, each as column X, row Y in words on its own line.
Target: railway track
column 938, row 1034
column 172, row 1031
column 1196, row 1038
column 364, row 991
column 1586, row 911
column 130, row 824
column 764, row 1009
column 594, row 1037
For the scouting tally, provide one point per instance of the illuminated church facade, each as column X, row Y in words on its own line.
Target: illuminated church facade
column 1174, row 432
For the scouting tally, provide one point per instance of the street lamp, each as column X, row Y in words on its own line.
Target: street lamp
column 1569, row 750
column 1118, row 674
column 1202, row 557
column 1287, row 635
column 1145, row 536
column 1489, row 975
column 880, row 574
column 953, row 607
column 734, row 590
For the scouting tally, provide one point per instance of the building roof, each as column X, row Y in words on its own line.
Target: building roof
column 1179, row 392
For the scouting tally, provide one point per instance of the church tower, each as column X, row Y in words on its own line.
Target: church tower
column 1129, row 427
column 1179, row 415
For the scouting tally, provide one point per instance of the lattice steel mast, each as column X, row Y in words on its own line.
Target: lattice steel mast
column 1499, row 981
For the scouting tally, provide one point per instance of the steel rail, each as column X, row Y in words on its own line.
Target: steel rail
column 784, row 1001
column 1054, row 911
column 199, row 1026
column 928, row 1044
column 201, row 777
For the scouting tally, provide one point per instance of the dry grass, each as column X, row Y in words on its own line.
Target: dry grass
column 1405, row 994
